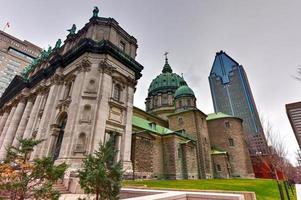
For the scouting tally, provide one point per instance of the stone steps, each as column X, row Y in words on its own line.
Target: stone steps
column 61, row 188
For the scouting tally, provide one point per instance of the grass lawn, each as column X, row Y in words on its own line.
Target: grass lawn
column 264, row 189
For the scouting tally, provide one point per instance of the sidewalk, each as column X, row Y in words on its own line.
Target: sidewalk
column 298, row 191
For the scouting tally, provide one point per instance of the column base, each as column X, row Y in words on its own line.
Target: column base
column 127, row 170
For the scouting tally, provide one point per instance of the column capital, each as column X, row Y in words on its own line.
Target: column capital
column 84, row 65
column 69, row 78
column 131, row 82
column 56, row 79
column 105, row 67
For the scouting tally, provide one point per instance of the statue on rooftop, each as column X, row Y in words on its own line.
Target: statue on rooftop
column 49, row 51
column 58, row 44
column 72, row 30
column 43, row 55
column 95, row 11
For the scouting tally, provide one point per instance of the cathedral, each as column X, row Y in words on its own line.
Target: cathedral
column 81, row 92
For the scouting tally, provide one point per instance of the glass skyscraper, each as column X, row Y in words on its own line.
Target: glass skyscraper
column 231, row 94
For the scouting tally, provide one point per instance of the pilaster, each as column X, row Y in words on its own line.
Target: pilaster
column 32, row 117
column 103, row 107
column 42, row 128
column 127, row 137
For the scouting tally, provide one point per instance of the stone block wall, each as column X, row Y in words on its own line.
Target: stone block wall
column 142, row 156
column 194, row 124
column 223, row 130
column 220, row 166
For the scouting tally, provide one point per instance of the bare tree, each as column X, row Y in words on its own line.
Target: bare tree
column 273, row 155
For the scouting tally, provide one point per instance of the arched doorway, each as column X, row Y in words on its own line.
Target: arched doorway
column 59, row 139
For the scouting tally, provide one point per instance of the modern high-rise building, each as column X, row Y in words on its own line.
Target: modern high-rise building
column 293, row 111
column 15, row 54
column 231, row 94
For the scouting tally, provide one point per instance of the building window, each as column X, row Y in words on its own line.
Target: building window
column 81, row 143
column 164, row 99
column 68, row 90
column 227, row 124
column 122, row 46
column 180, row 103
column 156, row 102
column 180, row 121
column 231, row 142
column 188, row 102
column 117, row 92
column 218, row 168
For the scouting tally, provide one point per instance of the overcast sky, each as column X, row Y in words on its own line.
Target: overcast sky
column 263, row 36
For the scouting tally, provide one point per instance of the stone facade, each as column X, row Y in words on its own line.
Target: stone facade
column 193, row 122
column 82, row 94
column 77, row 98
column 226, row 134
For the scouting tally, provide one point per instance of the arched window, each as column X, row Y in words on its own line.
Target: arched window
column 81, row 143
column 180, row 121
column 86, row 115
column 117, row 92
column 180, row 103
column 156, row 102
column 188, row 102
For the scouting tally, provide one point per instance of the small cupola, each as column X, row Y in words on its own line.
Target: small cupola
column 184, row 98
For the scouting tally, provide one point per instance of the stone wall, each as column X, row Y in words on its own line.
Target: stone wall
column 223, row 130
column 142, row 156
column 169, row 157
column 194, row 124
column 220, row 166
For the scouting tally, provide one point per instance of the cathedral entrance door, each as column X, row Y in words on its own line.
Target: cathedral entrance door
column 58, row 143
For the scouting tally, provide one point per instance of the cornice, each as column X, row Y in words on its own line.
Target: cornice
column 85, row 45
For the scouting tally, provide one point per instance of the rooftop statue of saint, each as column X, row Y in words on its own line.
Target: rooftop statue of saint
column 43, row 55
column 95, row 11
column 72, row 30
column 58, row 44
column 49, row 50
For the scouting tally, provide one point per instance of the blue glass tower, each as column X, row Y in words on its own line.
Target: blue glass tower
column 231, row 94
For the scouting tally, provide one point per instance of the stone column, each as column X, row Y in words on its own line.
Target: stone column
column 23, row 122
column 3, row 120
column 11, row 131
column 33, row 116
column 12, row 111
column 127, row 137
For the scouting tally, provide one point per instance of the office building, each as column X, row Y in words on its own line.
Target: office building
column 15, row 54
column 232, row 95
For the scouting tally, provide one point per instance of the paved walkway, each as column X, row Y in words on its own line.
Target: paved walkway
column 298, row 190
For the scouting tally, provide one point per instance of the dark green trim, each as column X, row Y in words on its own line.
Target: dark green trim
column 85, row 45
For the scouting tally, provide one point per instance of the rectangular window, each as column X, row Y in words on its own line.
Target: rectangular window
column 20, row 54
column 231, row 142
column 164, row 99
column 227, row 124
column 218, row 168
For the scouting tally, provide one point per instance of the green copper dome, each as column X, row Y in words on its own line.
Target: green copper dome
column 184, row 90
column 166, row 81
